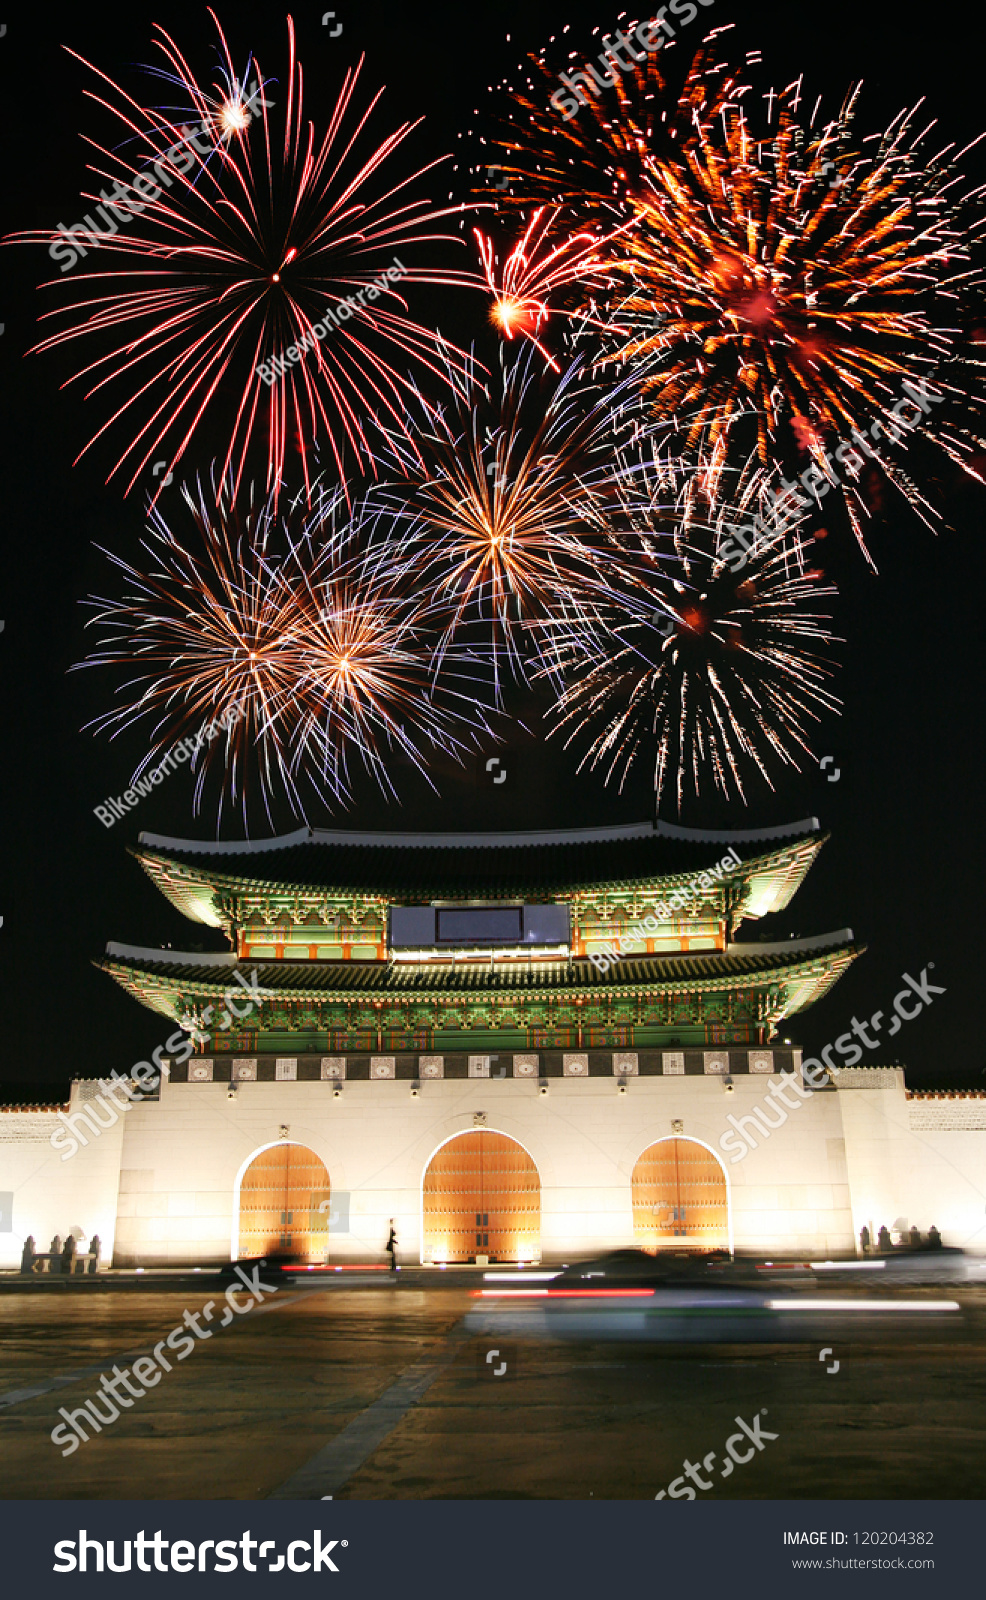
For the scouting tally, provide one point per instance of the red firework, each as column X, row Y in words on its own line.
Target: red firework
column 534, row 270
column 248, row 248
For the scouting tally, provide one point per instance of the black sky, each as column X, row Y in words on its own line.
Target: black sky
column 904, row 866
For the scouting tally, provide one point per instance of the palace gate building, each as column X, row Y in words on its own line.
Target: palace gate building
column 411, row 1027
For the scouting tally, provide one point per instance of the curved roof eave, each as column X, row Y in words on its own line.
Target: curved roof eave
column 810, row 965
column 482, row 840
column 566, row 863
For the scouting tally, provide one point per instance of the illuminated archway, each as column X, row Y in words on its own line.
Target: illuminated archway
column 283, row 1203
column 680, row 1197
column 481, row 1196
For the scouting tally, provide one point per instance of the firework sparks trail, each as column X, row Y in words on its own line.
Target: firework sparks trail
column 535, row 270
column 720, row 669
column 236, row 260
column 303, row 622
column 799, row 276
column 496, row 499
column 368, row 658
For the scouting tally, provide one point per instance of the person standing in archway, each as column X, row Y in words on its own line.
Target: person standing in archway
column 392, row 1247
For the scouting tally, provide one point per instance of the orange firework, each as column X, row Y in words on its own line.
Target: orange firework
column 802, row 278
column 305, row 624
column 498, row 498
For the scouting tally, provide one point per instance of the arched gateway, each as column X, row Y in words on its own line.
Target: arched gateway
column 481, row 1196
column 680, row 1197
column 284, row 1203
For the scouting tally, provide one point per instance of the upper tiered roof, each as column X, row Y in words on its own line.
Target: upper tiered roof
column 201, row 878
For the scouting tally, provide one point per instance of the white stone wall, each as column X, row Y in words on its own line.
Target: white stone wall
column 791, row 1193
column 940, row 1114
column 161, row 1184
column 869, row 1077
column 183, row 1159
column 56, row 1192
column 904, row 1170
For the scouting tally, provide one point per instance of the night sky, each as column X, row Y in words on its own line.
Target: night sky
column 904, row 865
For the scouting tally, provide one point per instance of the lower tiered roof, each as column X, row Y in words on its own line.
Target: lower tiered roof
column 173, row 982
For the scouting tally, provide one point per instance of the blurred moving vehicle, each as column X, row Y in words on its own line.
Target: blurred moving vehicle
column 709, row 1299
column 632, row 1267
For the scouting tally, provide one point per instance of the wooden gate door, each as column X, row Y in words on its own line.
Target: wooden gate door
column 482, row 1197
column 680, row 1198
column 284, row 1204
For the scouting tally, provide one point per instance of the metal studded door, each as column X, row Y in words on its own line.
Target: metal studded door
column 680, row 1198
column 283, row 1199
column 482, row 1197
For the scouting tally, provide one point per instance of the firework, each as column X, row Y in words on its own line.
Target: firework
column 534, row 271
column 303, row 623
column 368, row 657
column 797, row 279
column 721, row 668
column 256, row 245
column 497, row 499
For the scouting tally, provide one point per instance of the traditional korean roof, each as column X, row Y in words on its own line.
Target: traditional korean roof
column 161, row 979
column 203, row 879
